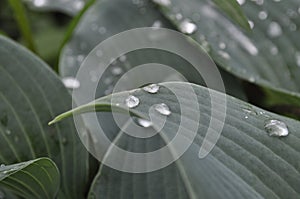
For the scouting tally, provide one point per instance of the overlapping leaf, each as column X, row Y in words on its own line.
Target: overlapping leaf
column 33, row 179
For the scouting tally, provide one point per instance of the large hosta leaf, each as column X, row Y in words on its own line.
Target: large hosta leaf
column 33, row 179
column 245, row 163
column 268, row 55
column 30, row 94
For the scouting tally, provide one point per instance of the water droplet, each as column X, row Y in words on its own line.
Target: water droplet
column 2, row 165
column 178, row 16
column 274, row 29
column 241, row 2
column 78, row 5
column 132, row 101
column 274, row 50
column 187, row 27
column 123, row 58
column 276, row 128
column 163, row 2
column 259, row 2
column 251, row 23
column 252, row 79
column 152, row 88
column 102, row 30
column 246, row 117
column 162, row 109
column 71, row 82
column 262, row 15
column 8, row 132
column 224, row 54
column 297, row 56
column 99, row 53
column 80, row 58
column 108, row 80
column 116, row 71
column 39, row 3
column 144, row 123
column 222, row 45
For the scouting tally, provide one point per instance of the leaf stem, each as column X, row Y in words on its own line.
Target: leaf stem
column 23, row 23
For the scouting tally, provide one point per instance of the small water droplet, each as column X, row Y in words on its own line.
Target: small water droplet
column 262, row 15
column 251, row 23
column 274, row 50
column 152, row 88
column 99, row 53
column 144, row 123
column 157, row 24
column 102, row 30
column 187, row 27
column 297, row 56
column 241, row 2
column 39, row 3
column 8, row 132
column 123, row 58
column 132, row 101
column 222, row 45
column 71, row 82
column 276, row 128
column 163, row 2
column 116, row 71
column 224, row 54
column 162, row 109
column 274, row 29
column 246, row 117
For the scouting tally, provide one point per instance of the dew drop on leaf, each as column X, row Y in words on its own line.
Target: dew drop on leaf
column 274, row 29
column 152, row 88
column 71, row 82
column 132, row 101
column 144, row 123
column 162, row 109
column 276, row 128
column 262, row 15
column 187, row 27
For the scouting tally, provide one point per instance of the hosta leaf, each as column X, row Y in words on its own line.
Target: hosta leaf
column 71, row 7
column 30, row 94
column 245, row 163
column 267, row 56
column 33, row 179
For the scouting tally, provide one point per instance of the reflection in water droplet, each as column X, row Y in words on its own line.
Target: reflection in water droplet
column 241, row 2
column 162, row 109
column 274, row 29
column 71, row 82
column 132, row 101
column 163, row 2
column 262, row 15
column 187, row 27
column 297, row 56
column 152, row 88
column 144, row 123
column 276, row 128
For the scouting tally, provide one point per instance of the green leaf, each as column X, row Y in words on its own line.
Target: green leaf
column 245, row 163
column 33, row 179
column 22, row 21
column 30, row 94
column 267, row 56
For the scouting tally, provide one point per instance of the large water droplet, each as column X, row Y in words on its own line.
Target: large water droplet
column 71, row 82
column 144, row 123
column 187, row 27
column 274, row 29
column 163, row 2
column 262, row 15
column 132, row 101
column 152, row 88
column 162, row 109
column 276, row 128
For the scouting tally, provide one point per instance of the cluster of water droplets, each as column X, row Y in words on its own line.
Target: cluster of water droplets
column 132, row 101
